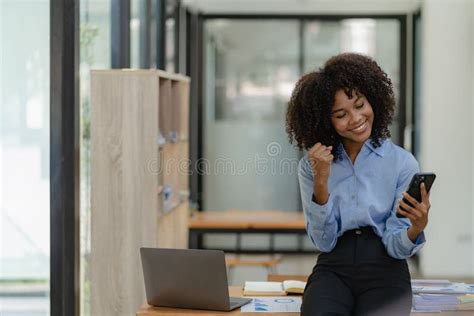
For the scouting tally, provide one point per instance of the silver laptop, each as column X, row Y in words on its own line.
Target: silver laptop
column 187, row 278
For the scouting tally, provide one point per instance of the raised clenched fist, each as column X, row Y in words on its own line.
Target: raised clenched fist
column 320, row 158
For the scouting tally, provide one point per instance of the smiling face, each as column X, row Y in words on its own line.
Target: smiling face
column 352, row 118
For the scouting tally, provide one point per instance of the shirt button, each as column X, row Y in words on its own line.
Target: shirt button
column 352, row 196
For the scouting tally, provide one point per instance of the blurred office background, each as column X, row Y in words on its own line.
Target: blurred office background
column 243, row 58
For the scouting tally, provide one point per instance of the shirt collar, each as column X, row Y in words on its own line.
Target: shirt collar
column 378, row 150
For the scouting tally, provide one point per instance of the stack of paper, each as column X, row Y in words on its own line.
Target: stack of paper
column 442, row 302
column 467, row 302
column 435, row 302
column 441, row 287
column 442, row 295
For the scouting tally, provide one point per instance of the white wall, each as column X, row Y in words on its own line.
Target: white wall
column 447, row 135
column 472, row 167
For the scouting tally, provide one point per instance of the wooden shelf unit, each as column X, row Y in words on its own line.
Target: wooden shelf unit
column 139, row 179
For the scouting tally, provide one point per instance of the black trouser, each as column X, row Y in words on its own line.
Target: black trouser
column 358, row 277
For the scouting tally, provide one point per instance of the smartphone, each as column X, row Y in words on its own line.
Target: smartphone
column 414, row 188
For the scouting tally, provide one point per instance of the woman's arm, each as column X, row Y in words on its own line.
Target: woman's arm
column 321, row 224
column 320, row 190
column 400, row 238
column 417, row 212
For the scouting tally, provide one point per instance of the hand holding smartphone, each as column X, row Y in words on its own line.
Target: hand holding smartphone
column 414, row 188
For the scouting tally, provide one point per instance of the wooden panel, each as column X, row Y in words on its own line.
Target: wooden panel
column 184, row 111
column 161, row 181
column 169, row 162
column 184, row 171
column 165, row 109
column 166, row 226
column 182, row 219
column 130, row 168
column 170, row 228
column 124, row 200
column 176, row 109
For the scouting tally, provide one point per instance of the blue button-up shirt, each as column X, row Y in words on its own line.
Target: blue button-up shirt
column 365, row 193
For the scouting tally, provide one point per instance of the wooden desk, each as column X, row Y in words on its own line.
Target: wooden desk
column 147, row 310
column 241, row 221
column 272, row 219
column 235, row 291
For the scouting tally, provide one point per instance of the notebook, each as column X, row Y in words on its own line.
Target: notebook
column 274, row 288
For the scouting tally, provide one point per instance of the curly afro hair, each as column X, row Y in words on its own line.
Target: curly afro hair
column 308, row 117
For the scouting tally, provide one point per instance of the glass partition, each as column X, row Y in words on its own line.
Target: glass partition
column 250, row 68
column 24, row 158
column 379, row 38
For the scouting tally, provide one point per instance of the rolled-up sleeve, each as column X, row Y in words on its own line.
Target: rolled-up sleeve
column 395, row 237
column 321, row 224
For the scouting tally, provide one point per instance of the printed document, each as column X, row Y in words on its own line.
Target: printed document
column 277, row 304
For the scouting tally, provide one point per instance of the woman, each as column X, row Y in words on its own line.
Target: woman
column 352, row 180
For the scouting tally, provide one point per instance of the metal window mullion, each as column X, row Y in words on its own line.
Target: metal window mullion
column 160, row 33
column 145, row 33
column 177, row 27
column 182, row 51
column 120, row 34
column 64, row 157
column 187, row 47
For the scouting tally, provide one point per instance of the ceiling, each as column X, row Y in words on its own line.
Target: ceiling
column 303, row 6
